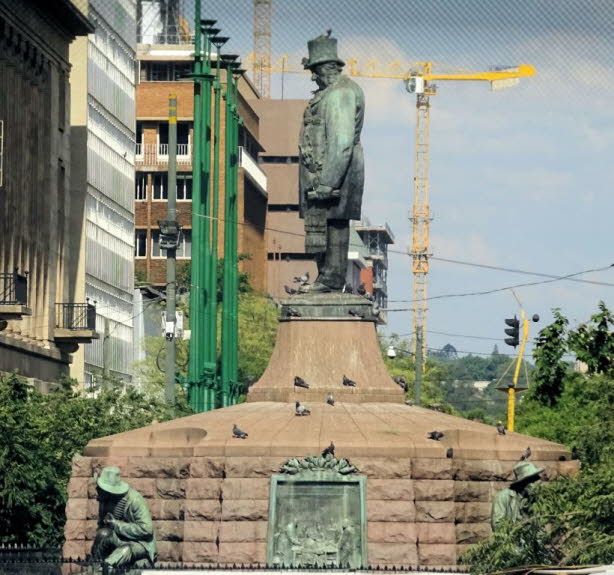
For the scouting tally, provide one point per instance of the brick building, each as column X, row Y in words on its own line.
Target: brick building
column 39, row 312
column 161, row 68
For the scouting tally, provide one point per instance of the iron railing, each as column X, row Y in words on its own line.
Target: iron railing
column 13, row 288
column 75, row 316
column 153, row 154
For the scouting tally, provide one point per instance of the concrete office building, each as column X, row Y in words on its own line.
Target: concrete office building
column 103, row 123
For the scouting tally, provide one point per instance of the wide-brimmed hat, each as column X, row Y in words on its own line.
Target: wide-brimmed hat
column 525, row 470
column 111, row 481
column 321, row 50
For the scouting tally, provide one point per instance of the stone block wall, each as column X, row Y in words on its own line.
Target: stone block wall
column 215, row 510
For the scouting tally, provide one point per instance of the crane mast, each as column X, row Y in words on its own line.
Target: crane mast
column 419, row 81
column 262, row 47
column 421, row 216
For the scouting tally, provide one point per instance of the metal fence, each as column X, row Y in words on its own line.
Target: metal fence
column 75, row 316
column 13, row 289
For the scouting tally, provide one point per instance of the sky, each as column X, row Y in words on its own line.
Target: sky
column 521, row 178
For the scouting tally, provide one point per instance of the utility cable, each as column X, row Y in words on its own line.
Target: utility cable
column 551, row 278
column 496, row 290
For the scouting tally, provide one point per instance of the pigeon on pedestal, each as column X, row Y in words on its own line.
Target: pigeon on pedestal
column 237, row 433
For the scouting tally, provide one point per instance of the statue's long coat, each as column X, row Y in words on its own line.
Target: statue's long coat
column 330, row 149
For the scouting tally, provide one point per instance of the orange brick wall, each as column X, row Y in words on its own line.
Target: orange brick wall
column 152, row 104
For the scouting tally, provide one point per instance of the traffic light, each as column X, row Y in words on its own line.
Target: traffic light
column 513, row 331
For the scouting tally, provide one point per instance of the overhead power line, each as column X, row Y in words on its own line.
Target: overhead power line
column 506, row 288
column 517, row 271
column 569, row 277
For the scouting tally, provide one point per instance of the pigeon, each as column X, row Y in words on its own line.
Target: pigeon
column 300, row 382
column 400, row 380
column 237, row 433
column 348, row 382
column 330, row 450
column 303, row 280
column 436, row 435
column 500, row 428
column 300, row 409
column 291, row 312
column 450, row 453
column 347, row 288
column 330, row 399
column 408, row 402
column 525, row 454
column 370, row 296
column 290, row 291
column 361, row 290
column 355, row 313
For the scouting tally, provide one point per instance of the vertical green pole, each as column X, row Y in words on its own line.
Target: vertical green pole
column 196, row 287
column 228, row 242
column 217, row 88
column 235, row 247
column 207, row 320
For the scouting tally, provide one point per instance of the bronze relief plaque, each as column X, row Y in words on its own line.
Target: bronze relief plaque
column 317, row 517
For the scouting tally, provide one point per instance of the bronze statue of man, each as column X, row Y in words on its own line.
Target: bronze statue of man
column 331, row 169
column 125, row 536
column 512, row 504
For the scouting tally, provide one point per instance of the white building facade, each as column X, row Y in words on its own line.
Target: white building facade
column 107, row 140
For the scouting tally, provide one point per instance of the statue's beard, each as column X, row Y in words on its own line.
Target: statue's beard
column 327, row 79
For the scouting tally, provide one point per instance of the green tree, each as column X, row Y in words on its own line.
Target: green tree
column 39, row 435
column 592, row 342
column 572, row 519
column 550, row 369
column 257, row 332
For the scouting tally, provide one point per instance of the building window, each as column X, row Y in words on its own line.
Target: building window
column 183, row 133
column 278, row 159
column 140, row 186
column 184, row 186
column 156, row 252
column 185, row 247
column 166, row 71
column 160, row 186
column 140, row 243
column 158, row 71
column 139, row 132
column 181, row 70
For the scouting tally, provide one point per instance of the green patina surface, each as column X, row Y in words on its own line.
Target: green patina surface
column 317, row 515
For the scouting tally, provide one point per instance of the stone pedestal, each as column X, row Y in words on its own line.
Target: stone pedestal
column 332, row 335
column 209, row 492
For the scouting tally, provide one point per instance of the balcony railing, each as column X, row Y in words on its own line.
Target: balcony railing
column 75, row 316
column 154, row 154
column 13, row 289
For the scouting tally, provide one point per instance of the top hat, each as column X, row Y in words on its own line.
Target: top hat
column 525, row 470
column 111, row 482
column 321, row 50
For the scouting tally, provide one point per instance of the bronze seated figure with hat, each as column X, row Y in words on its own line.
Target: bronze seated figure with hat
column 513, row 504
column 125, row 536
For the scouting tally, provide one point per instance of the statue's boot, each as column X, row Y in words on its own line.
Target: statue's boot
column 315, row 287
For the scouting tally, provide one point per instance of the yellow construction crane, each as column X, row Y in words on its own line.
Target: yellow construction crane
column 420, row 82
column 419, row 79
